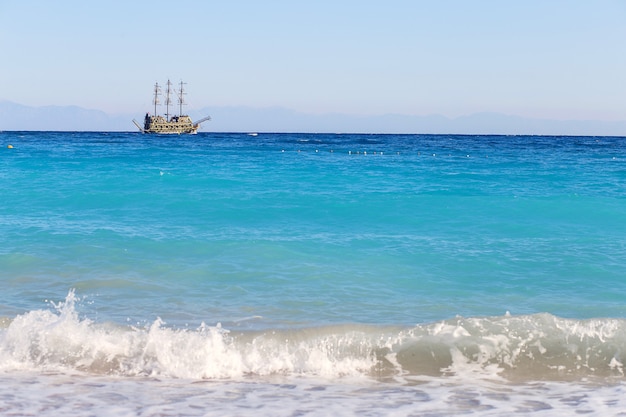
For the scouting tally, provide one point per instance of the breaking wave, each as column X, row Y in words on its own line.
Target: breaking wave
column 531, row 347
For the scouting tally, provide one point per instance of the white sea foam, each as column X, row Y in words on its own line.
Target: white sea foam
column 58, row 340
column 516, row 348
column 77, row 395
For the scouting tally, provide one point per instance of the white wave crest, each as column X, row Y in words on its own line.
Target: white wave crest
column 58, row 340
column 539, row 346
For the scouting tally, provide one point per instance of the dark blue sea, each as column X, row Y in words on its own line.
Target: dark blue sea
column 312, row 275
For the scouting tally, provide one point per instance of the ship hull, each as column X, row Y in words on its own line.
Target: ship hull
column 177, row 125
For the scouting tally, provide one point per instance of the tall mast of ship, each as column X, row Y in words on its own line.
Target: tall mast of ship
column 168, row 100
column 181, row 98
column 157, row 91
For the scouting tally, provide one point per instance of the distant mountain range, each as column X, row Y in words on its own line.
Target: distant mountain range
column 15, row 116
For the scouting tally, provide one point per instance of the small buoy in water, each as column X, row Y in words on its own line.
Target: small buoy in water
column 10, row 146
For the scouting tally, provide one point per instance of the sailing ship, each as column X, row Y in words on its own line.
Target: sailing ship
column 169, row 124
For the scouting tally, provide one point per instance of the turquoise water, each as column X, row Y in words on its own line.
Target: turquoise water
column 392, row 259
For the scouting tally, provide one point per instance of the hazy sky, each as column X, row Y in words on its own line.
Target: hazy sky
column 559, row 59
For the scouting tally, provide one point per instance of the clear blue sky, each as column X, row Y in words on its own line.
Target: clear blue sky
column 557, row 59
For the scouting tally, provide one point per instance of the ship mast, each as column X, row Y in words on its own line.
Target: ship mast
column 181, row 98
column 155, row 101
column 168, row 100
